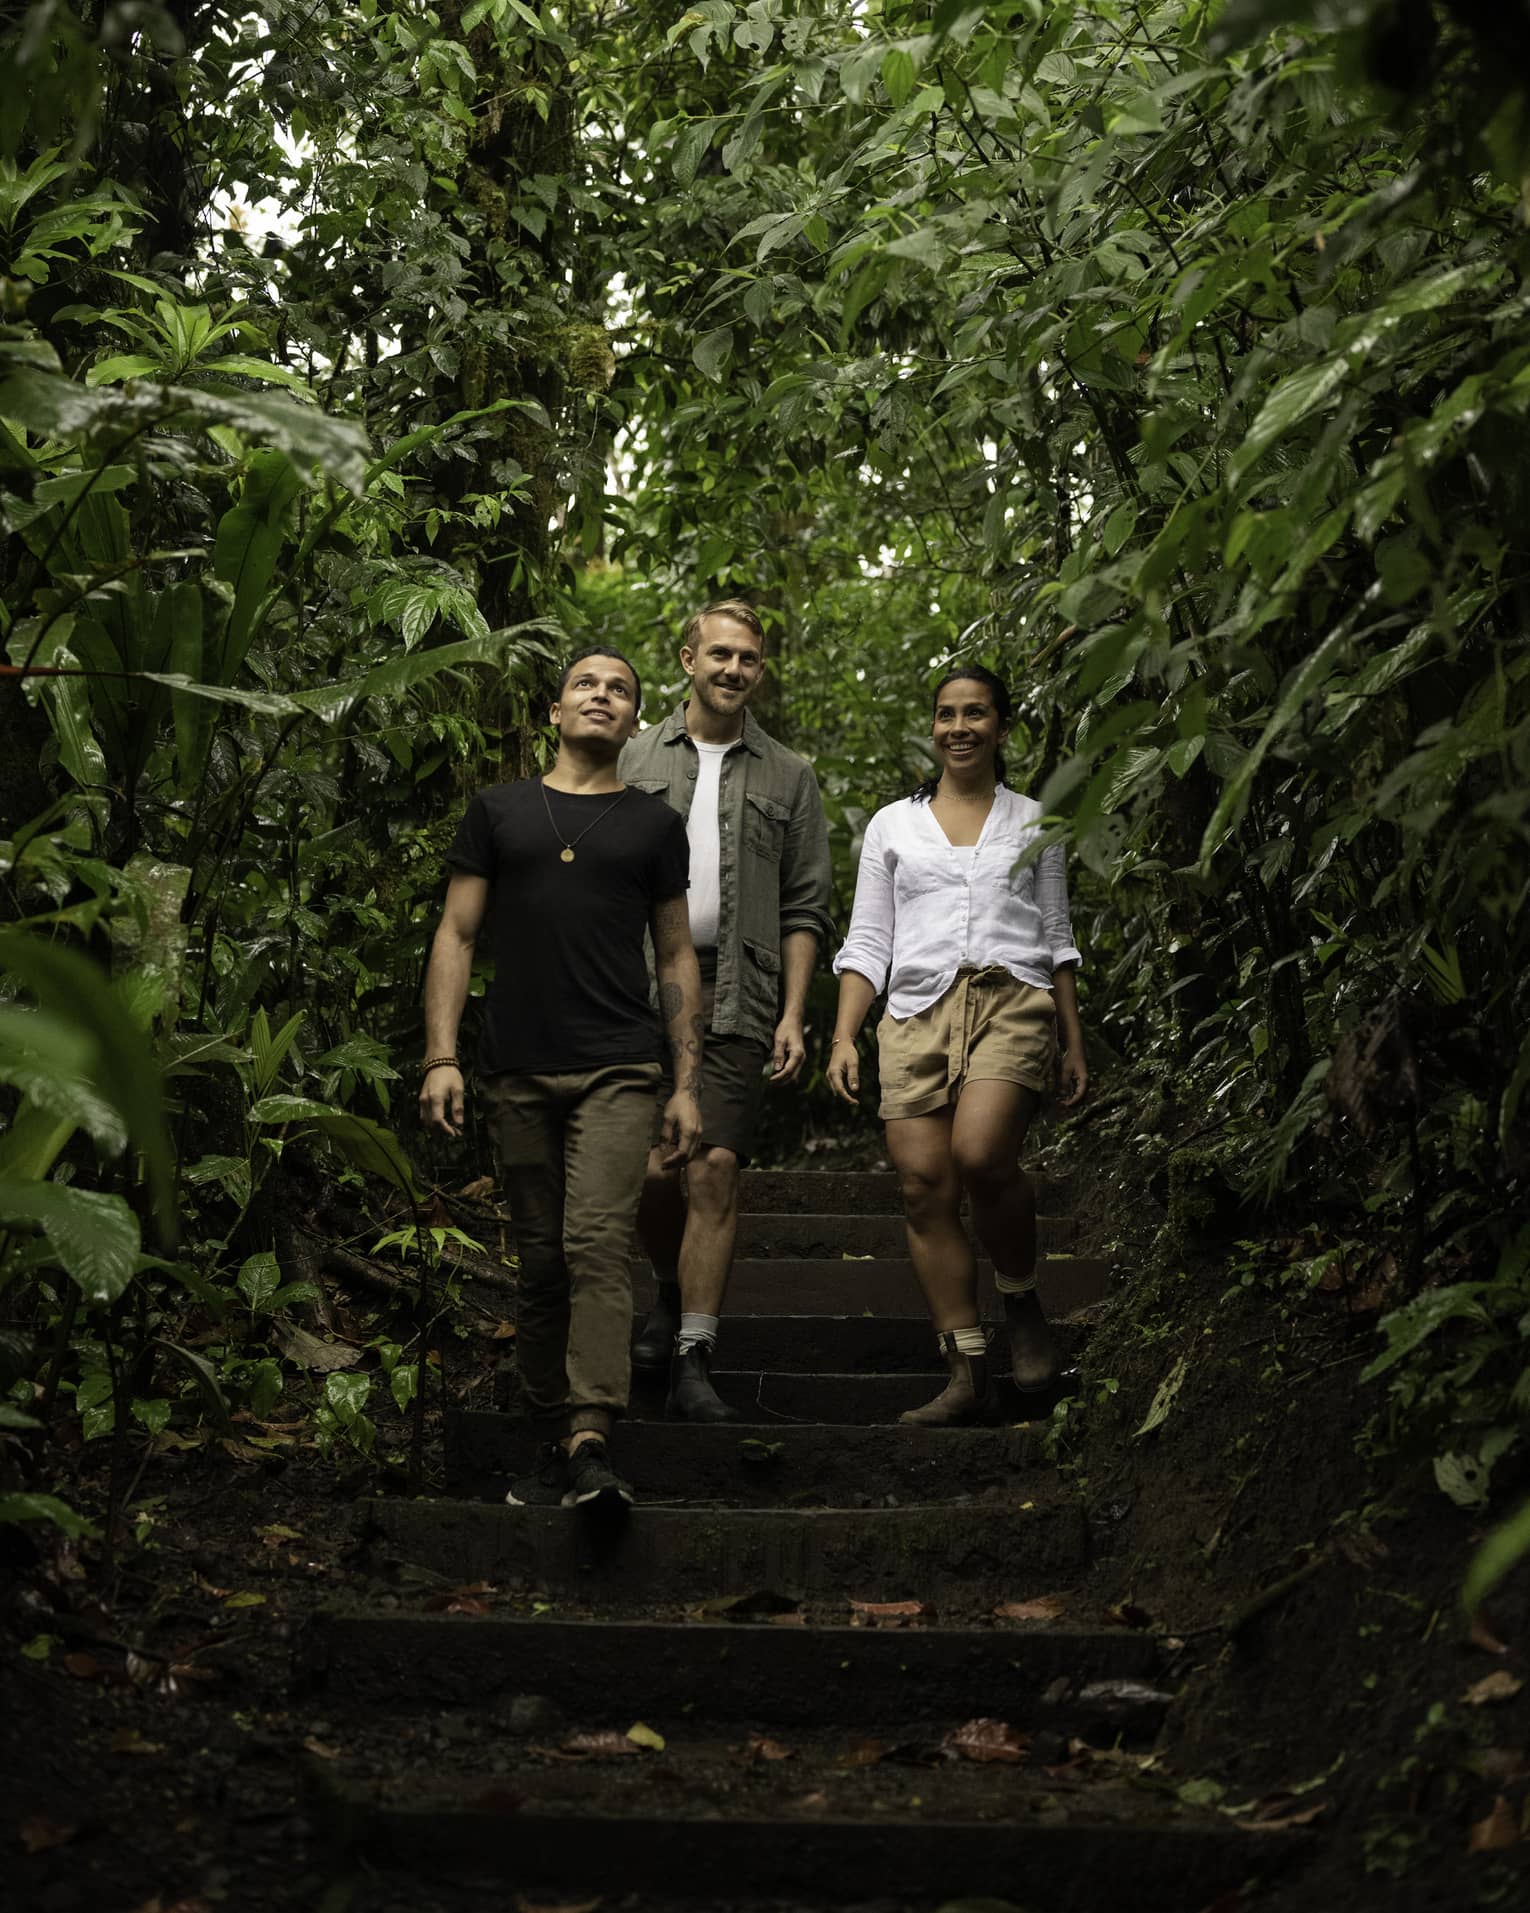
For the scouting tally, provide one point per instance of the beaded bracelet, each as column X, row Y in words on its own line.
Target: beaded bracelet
column 439, row 1062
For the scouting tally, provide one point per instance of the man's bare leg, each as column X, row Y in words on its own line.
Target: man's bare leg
column 706, row 1258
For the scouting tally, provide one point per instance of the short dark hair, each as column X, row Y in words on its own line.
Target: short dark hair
column 734, row 608
column 603, row 651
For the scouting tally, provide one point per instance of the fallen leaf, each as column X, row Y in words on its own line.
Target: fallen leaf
column 864, row 1753
column 1499, row 1829
column 598, row 1745
column 312, row 1745
column 1268, row 1818
column 1501, row 1685
column 523, row 1905
column 307, row 1351
column 276, row 1534
column 84, row 1667
column 814, row 1800
column 218, row 1594
column 38, row 1834
column 1500, row 1764
column 1127, row 1614
column 128, row 1740
column 480, row 1189
column 987, row 1740
column 642, row 1735
column 1046, row 1607
column 788, row 1620
column 245, row 1600
column 889, row 1613
column 1482, row 1635
column 762, row 1747
column 505, row 1332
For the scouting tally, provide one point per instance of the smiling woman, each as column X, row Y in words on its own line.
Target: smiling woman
column 970, row 936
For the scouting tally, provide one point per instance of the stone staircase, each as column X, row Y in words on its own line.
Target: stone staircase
column 813, row 1749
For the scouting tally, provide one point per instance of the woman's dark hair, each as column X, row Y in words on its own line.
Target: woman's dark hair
column 998, row 690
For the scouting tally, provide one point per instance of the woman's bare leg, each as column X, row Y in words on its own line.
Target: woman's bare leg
column 920, row 1150
column 987, row 1135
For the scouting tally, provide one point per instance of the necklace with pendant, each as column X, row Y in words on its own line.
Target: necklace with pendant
column 566, row 854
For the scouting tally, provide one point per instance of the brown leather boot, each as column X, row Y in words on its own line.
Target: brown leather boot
column 966, row 1399
column 1032, row 1352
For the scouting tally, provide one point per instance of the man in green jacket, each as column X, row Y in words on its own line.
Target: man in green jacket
column 759, row 908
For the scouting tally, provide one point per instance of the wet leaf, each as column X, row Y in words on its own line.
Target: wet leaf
column 481, row 1189
column 1278, row 1812
column 1046, row 1607
column 245, row 1600
column 468, row 1604
column 890, row 1613
column 1499, row 1829
column 814, row 1801
column 1501, row 1685
column 642, row 1735
column 865, row 1753
column 987, row 1740
column 505, row 1332
column 322, row 1748
column 84, row 1667
column 788, row 1620
column 1164, row 1399
column 276, row 1534
column 307, row 1351
column 762, row 1747
column 605, row 1744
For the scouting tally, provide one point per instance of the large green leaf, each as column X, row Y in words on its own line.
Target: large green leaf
column 94, row 1237
column 368, row 1145
column 121, row 1064
column 248, row 545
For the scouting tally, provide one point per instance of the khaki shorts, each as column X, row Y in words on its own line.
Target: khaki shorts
column 988, row 1027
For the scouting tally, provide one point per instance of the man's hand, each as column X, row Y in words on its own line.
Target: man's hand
column 844, row 1071
column 790, row 1052
column 1072, row 1076
column 681, row 1130
column 442, row 1100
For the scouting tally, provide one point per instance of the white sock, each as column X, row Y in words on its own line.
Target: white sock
column 696, row 1331
column 969, row 1341
column 1014, row 1284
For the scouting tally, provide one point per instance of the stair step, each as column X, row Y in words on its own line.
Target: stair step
column 872, row 1192
column 839, row 1345
column 981, row 1554
column 790, row 1464
column 766, row 1399
column 700, row 1820
column 802, row 1234
column 881, row 1285
column 677, row 1677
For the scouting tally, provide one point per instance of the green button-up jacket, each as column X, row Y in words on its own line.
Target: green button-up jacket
column 774, row 872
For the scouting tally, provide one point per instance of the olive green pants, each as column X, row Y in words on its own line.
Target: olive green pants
column 572, row 1148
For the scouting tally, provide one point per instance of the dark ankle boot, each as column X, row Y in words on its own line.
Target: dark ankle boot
column 1032, row 1352
column 691, row 1394
column 656, row 1339
column 965, row 1401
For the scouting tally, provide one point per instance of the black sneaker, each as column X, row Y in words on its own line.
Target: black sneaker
column 592, row 1482
column 543, row 1486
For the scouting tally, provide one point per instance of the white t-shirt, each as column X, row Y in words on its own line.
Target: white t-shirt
column 706, row 848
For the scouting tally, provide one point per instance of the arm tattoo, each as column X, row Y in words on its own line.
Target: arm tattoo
column 671, row 996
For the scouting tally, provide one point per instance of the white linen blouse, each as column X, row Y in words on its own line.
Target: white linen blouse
column 925, row 908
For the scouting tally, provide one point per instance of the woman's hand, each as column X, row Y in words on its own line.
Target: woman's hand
column 1072, row 1076
column 844, row 1071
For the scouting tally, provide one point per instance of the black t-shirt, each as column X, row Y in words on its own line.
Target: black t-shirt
column 570, row 989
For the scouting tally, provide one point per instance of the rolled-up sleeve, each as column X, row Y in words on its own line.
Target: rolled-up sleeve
column 867, row 948
column 807, row 873
column 1052, row 902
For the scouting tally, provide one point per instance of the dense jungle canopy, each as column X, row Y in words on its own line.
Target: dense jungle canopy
column 1173, row 359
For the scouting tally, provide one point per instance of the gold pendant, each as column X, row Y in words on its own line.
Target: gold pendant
column 566, row 855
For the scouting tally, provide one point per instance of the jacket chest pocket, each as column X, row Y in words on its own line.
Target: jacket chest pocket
column 765, row 822
column 655, row 786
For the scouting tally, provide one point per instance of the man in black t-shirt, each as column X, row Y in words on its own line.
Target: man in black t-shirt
column 570, row 870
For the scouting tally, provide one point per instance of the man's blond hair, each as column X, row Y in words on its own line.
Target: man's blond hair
column 734, row 608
